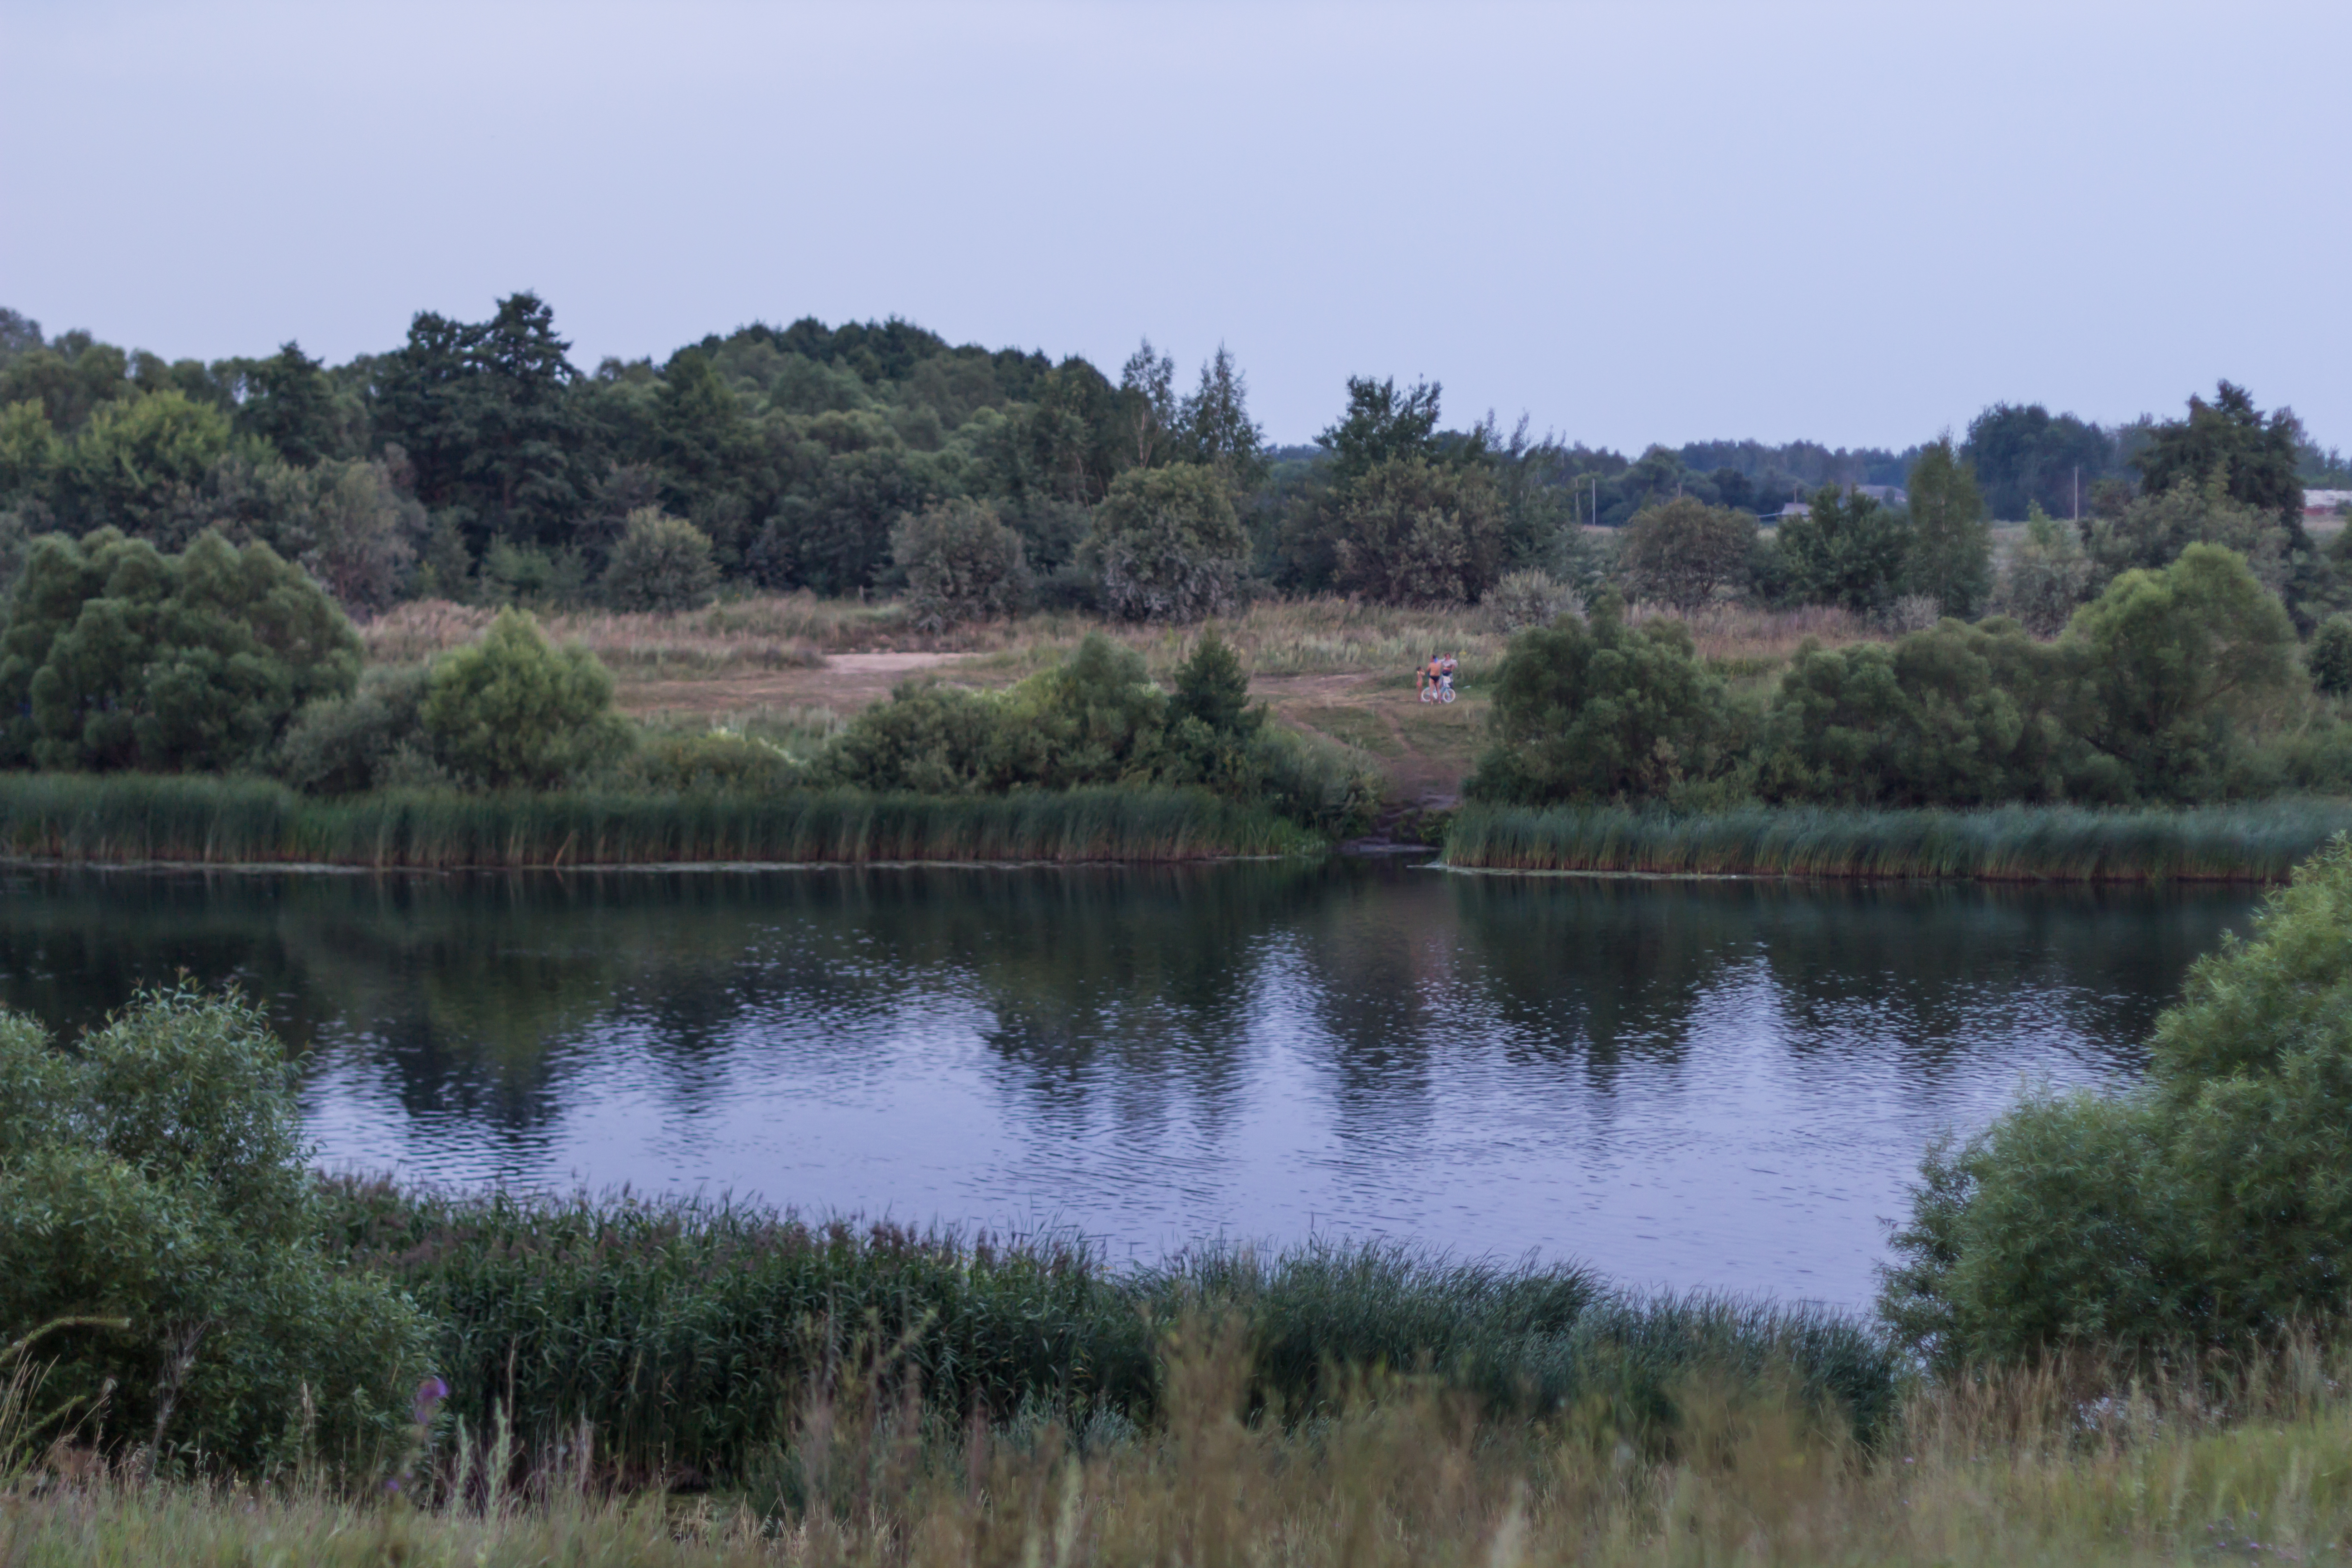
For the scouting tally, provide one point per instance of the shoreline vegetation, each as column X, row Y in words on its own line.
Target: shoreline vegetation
column 157, row 819
column 2260, row 842
column 137, row 819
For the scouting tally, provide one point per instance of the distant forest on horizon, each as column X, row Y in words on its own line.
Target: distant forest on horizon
column 500, row 470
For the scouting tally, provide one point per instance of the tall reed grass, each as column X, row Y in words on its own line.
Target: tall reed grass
column 682, row 1331
column 126, row 818
column 2257, row 842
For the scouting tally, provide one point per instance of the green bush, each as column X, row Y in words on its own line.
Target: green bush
column 514, row 711
column 660, row 563
column 1681, row 552
column 1846, row 550
column 1411, row 531
column 1096, row 719
column 1592, row 710
column 1957, row 716
column 371, row 739
column 2329, row 657
column 117, row 656
column 963, row 563
column 1529, row 598
column 721, row 759
column 2047, row 576
column 2212, row 1204
column 2172, row 662
column 1169, row 543
column 152, row 1187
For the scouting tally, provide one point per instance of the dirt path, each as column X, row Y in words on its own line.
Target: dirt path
column 845, row 683
column 1424, row 748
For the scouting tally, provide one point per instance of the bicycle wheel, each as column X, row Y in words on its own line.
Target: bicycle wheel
column 1446, row 695
column 1429, row 694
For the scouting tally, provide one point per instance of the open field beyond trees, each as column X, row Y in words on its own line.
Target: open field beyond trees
column 793, row 666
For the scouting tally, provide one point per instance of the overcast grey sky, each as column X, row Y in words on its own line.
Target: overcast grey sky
column 1635, row 222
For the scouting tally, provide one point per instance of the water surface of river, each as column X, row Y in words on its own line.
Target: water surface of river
column 1692, row 1084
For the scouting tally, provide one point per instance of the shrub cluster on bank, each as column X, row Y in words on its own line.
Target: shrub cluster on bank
column 119, row 658
column 2176, row 685
column 2212, row 1206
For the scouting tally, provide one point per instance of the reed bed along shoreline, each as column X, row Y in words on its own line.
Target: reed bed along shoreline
column 2260, row 842
column 683, row 1331
column 129, row 818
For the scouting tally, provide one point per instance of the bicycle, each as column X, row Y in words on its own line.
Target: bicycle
column 1441, row 690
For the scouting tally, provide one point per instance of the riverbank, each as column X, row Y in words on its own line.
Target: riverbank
column 180, row 819
column 2257, row 842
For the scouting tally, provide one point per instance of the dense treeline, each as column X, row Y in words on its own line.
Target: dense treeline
column 476, row 461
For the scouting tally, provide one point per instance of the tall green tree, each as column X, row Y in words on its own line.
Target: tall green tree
column 2170, row 659
column 138, row 459
column 1411, row 531
column 2256, row 453
column 1146, row 394
column 1678, row 554
column 2024, row 456
column 485, row 413
column 1951, row 545
column 1213, row 427
column 1845, row 550
column 290, row 403
column 1169, row 543
column 1382, row 424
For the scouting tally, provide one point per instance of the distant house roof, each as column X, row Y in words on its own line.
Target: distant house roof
column 1884, row 495
column 2321, row 504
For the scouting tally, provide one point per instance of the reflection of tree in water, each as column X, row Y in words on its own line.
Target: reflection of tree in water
column 1924, row 972
column 1608, row 968
column 477, row 994
column 1134, row 984
column 1914, row 973
column 1127, row 988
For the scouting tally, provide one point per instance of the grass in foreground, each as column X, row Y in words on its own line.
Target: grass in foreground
column 131, row 818
column 2259, row 842
column 2029, row 1468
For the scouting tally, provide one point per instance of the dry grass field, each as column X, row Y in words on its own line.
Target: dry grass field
column 797, row 665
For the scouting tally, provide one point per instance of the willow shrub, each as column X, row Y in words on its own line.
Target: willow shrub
column 2212, row 1203
column 156, row 1217
column 1592, row 709
column 1097, row 721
